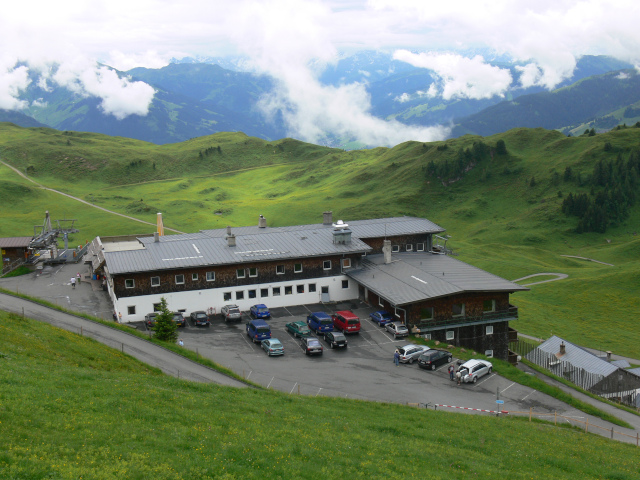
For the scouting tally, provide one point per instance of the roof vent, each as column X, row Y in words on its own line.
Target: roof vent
column 386, row 249
column 327, row 218
column 341, row 233
column 563, row 349
column 262, row 222
column 231, row 238
column 340, row 225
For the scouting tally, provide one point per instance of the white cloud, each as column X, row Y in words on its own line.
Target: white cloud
column 530, row 75
column 39, row 102
column 12, row 80
column 460, row 76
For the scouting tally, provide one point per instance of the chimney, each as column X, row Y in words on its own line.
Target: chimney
column 386, row 249
column 341, row 233
column 608, row 356
column 327, row 218
column 563, row 350
column 156, row 237
column 231, row 238
column 262, row 222
column 228, row 230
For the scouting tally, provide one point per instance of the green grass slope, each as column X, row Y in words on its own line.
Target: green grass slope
column 72, row 408
column 499, row 220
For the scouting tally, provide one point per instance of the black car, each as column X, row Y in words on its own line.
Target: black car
column 150, row 319
column 336, row 339
column 200, row 318
column 178, row 319
column 433, row 358
column 311, row 346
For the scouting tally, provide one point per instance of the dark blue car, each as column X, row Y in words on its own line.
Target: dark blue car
column 258, row 330
column 320, row 322
column 260, row 311
column 381, row 317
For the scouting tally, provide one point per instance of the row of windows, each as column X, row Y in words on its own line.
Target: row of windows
column 451, row 334
column 277, row 291
column 458, row 309
column 408, row 247
column 240, row 273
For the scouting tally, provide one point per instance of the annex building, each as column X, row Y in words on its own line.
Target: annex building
column 390, row 263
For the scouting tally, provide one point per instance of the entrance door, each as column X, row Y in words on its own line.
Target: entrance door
column 324, row 297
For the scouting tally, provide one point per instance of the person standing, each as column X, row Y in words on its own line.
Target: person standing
column 459, row 377
column 73, row 282
column 451, row 370
column 78, row 277
column 396, row 358
column 181, row 343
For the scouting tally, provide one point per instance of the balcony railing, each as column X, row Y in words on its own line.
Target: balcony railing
column 508, row 314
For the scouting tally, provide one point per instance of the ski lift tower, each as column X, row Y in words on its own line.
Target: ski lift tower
column 45, row 237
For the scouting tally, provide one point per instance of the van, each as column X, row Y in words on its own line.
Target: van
column 346, row 322
column 258, row 330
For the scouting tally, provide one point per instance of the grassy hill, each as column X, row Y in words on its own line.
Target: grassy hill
column 498, row 219
column 73, row 408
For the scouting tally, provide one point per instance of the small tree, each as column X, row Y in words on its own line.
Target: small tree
column 501, row 147
column 165, row 328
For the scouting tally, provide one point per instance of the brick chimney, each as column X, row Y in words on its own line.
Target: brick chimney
column 327, row 218
column 563, row 350
column 386, row 249
column 262, row 222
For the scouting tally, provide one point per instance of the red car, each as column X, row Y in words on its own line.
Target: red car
column 346, row 322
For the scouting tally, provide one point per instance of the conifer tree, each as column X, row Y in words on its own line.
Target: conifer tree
column 165, row 328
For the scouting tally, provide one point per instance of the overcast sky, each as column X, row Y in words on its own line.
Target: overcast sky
column 281, row 37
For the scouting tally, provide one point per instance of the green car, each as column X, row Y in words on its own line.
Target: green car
column 299, row 329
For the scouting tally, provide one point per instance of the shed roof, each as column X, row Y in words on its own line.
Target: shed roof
column 413, row 277
column 578, row 356
column 15, row 242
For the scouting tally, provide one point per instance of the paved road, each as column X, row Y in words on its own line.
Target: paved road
column 167, row 361
column 559, row 276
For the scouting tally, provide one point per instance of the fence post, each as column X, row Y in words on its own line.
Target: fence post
column 586, row 426
column 612, row 433
column 298, row 389
column 555, row 417
column 530, row 412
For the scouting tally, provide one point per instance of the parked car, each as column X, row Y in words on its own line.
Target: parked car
column 179, row 319
column 312, row 346
column 272, row 346
column 397, row 329
column 409, row 353
column 346, row 321
column 299, row 329
column 320, row 322
column 336, row 339
column 150, row 319
column 258, row 330
column 259, row 311
column 434, row 358
column 473, row 369
column 231, row 312
column 200, row 318
column 381, row 317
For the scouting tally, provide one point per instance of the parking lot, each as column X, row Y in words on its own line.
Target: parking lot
column 365, row 370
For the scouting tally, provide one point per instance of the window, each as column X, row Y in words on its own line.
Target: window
column 252, row 293
column 326, row 265
column 426, row 313
column 156, row 307
column 458, row 309
column 395, row 248
column 253, row 272
column 275, row 291
column 488, row 353
column 396, row 312
column 380, row 302
column 227, row 296
column 324, row 289
column 409, row 247
column 288, row 290
column 129, row 283
column 450, row 335
column 131, row 310
column 211, row 276
column 345, row 283
column 240, row 295
column 312, row 287
column 264, row 292
column 155, row 281
column 194, row 277
column 420, row 247
column 240, row 273
column 297, row 267
column 346, row 263
column 299, row 288
column 279, row 269
column 179, row 279
column 426, row 336
column 489, row 330
column 489, row 306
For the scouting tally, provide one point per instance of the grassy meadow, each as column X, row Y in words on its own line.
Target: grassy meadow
column 72, row 408
column 497, row 219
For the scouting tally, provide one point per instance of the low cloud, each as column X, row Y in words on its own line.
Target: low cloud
column 458, row 76
column 13, row 80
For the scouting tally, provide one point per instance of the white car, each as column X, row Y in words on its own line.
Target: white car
column 397, row 329
column 409, row 353
column 473, row 369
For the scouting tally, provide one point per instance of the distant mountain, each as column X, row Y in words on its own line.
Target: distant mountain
column 584, row 101
column 19, row 119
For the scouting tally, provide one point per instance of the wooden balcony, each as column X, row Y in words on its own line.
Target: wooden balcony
column 506, row 315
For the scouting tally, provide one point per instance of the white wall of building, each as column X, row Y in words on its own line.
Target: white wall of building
column 213, row 298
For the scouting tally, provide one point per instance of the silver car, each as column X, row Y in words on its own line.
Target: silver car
column 473, row 369
column 231, row 312
column 409, row 353
column 397, row 329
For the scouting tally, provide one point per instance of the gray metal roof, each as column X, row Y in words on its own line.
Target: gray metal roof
column 578, row 357
column 200, row 249
column 416, row 276
column 15, row 242
column 621, row 363
column 378, row 227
